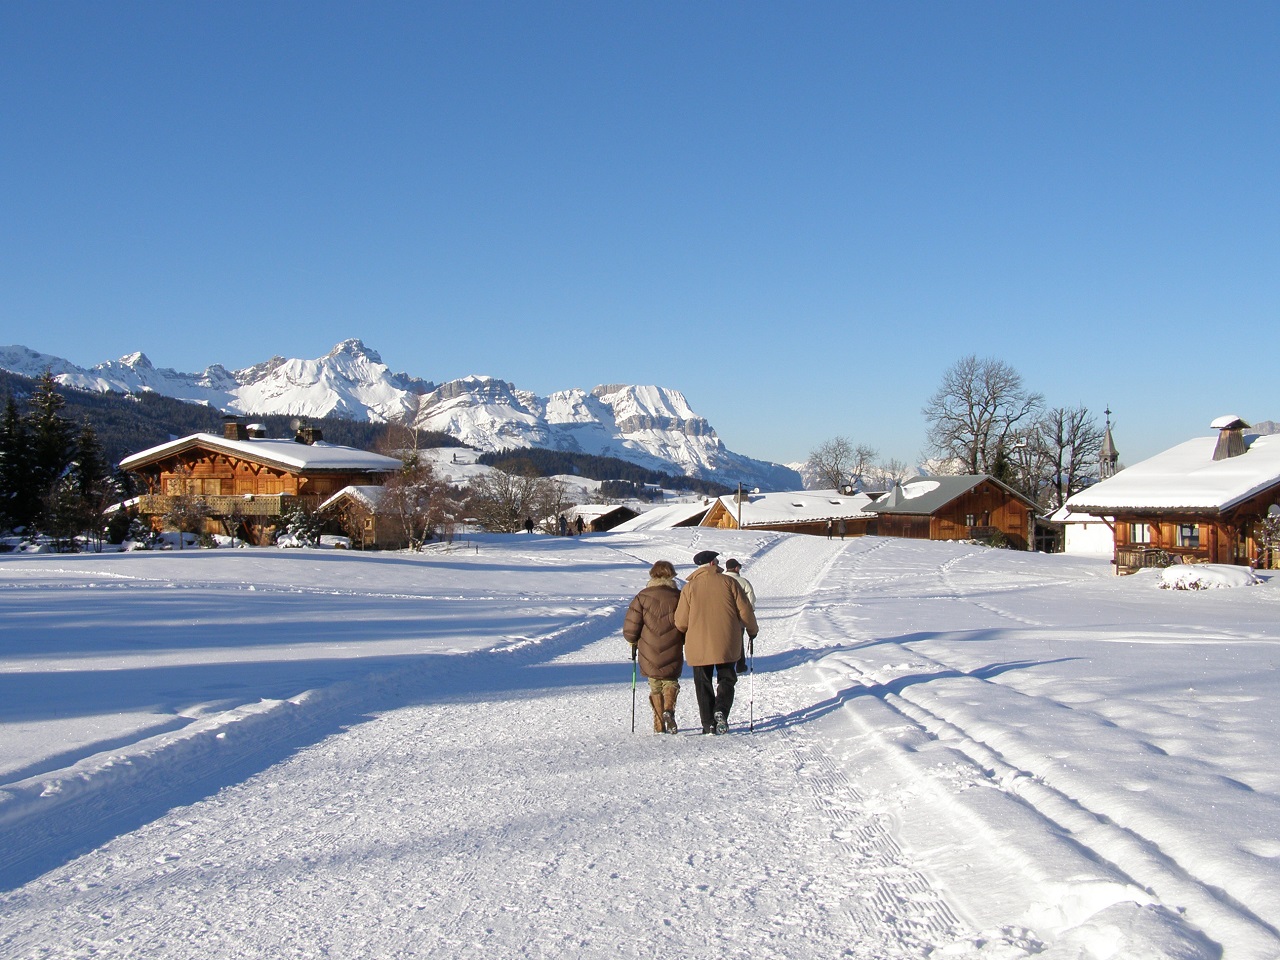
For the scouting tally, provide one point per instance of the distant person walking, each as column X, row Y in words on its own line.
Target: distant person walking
column 528, row 524
column 713, row 611
column 830, row 527
column 733, row 570
column 649, row 627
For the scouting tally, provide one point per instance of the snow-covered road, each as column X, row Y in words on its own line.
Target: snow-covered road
column 958, row 752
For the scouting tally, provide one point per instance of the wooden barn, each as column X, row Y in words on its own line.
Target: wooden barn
column 357, row 511
column 669, row 517
column 242, row 483
column 1204, row 500
column 974, row 507
column 814, row 512
column 599, row 517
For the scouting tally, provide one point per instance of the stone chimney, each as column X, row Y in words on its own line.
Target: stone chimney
column 308, row 435
column 1230, row 437
column 233, row 428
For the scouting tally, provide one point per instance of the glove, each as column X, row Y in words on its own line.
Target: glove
column 635, row 650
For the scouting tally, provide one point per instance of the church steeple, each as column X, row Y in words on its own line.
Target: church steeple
column 1108, row 456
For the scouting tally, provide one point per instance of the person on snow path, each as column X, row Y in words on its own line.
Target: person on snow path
column 713, row 612
column 650, row 629
column 733, row 569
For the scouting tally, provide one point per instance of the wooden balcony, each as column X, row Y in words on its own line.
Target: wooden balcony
column 249, row 505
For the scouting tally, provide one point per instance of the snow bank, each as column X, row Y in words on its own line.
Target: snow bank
column 1206, row 576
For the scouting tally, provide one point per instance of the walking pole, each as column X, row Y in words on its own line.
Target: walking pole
column 633, row 688
column 751, row 696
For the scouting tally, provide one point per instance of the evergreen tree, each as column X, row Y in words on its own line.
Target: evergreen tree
column 51, row 440
column 92, row 483
column 302, row 525
column 65, row 514
column 17, row 497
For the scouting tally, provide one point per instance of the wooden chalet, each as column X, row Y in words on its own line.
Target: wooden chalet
column 244, row 482
column 1201, row 501
column 813, row 512
column 975, row 507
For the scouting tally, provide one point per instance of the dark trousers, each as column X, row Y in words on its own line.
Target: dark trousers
column 714, row 699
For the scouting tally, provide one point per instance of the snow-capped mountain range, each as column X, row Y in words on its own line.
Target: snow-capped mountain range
column 646, row 425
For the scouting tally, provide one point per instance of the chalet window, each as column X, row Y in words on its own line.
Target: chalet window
column 1188, row 534
column 1139, row 533
column 970, row 519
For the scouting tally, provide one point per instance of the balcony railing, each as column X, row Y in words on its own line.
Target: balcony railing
column 248, row 505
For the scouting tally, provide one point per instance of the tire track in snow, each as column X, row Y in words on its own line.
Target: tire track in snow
column 891, row 894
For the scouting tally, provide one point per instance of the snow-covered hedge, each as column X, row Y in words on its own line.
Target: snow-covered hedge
column 1206, row 576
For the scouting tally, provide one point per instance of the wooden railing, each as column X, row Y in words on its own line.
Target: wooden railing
column 249, row 505
column 1132, row 559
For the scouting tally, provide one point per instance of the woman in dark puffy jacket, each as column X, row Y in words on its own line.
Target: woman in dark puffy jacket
column 650, row 629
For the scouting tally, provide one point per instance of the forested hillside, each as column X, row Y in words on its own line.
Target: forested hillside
column 548, row 463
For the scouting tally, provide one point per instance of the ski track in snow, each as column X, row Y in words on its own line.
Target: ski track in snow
column 1092, row 814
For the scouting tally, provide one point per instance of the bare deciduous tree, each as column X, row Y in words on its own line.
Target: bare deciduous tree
column 351, row 518
column 839, row 461
column 416, row 501
column 401, row 441
column 500, row 500
column 884, row 475
column 1068, row 441
column 976, row 412
column 186, row 511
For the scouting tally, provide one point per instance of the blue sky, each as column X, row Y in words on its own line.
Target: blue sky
column 800, row 214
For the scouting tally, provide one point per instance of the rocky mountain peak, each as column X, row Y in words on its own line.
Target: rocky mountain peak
column 648, row 425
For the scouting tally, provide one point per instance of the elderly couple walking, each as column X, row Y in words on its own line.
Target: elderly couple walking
column 702, row 624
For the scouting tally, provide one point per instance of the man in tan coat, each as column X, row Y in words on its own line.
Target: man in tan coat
column 713, row 611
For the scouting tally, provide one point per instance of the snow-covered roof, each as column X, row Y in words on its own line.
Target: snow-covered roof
column 801, row 506
column 368, row 495
column 664, row 518
column 285, row 454
column 1187, row 477
column 1065, row 515
column 592, row 511
column 924, row 496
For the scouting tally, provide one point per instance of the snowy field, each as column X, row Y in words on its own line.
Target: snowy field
column 958, row 752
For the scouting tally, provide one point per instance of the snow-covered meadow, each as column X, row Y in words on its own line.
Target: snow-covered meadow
column 958, row 752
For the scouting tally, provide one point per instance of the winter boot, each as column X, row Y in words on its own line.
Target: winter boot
column 669, row 709
column 655, row 701
column 722, row 723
